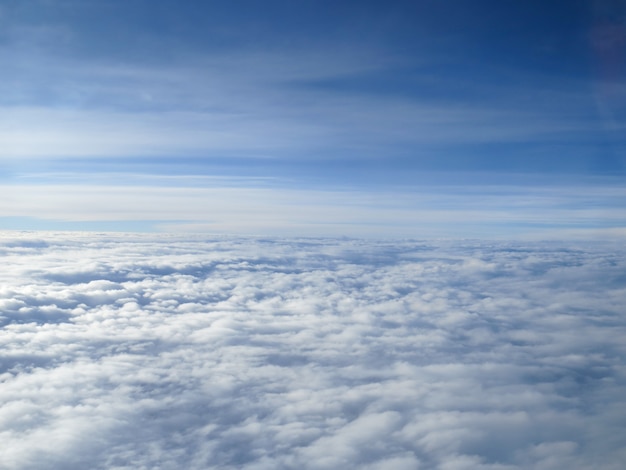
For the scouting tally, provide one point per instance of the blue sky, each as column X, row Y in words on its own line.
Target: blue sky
column 422, row 118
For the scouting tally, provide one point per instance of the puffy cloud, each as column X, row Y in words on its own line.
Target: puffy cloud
column 131, row 351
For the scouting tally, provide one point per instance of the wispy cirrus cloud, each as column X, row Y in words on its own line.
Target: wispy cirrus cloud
column 318, row 100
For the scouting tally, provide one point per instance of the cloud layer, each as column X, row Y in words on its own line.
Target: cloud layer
column 257, row 206
column 124, row 352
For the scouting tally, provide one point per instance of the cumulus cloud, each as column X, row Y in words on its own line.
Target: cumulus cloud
column 169, row 352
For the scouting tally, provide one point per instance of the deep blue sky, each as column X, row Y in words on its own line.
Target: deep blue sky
column 300, row 106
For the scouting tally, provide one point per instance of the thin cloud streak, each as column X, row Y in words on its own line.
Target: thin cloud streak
column 236, row 208
column 348, row 129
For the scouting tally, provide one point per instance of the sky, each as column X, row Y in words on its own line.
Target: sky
column 141, row 351
column 359, row 118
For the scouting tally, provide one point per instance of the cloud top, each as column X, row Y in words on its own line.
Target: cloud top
column 195, row 352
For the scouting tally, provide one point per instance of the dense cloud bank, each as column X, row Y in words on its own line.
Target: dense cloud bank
column 145, row 352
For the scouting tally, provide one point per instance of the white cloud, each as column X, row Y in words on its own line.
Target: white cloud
column 252, row 207
column 251, row 103
column 176, row 351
